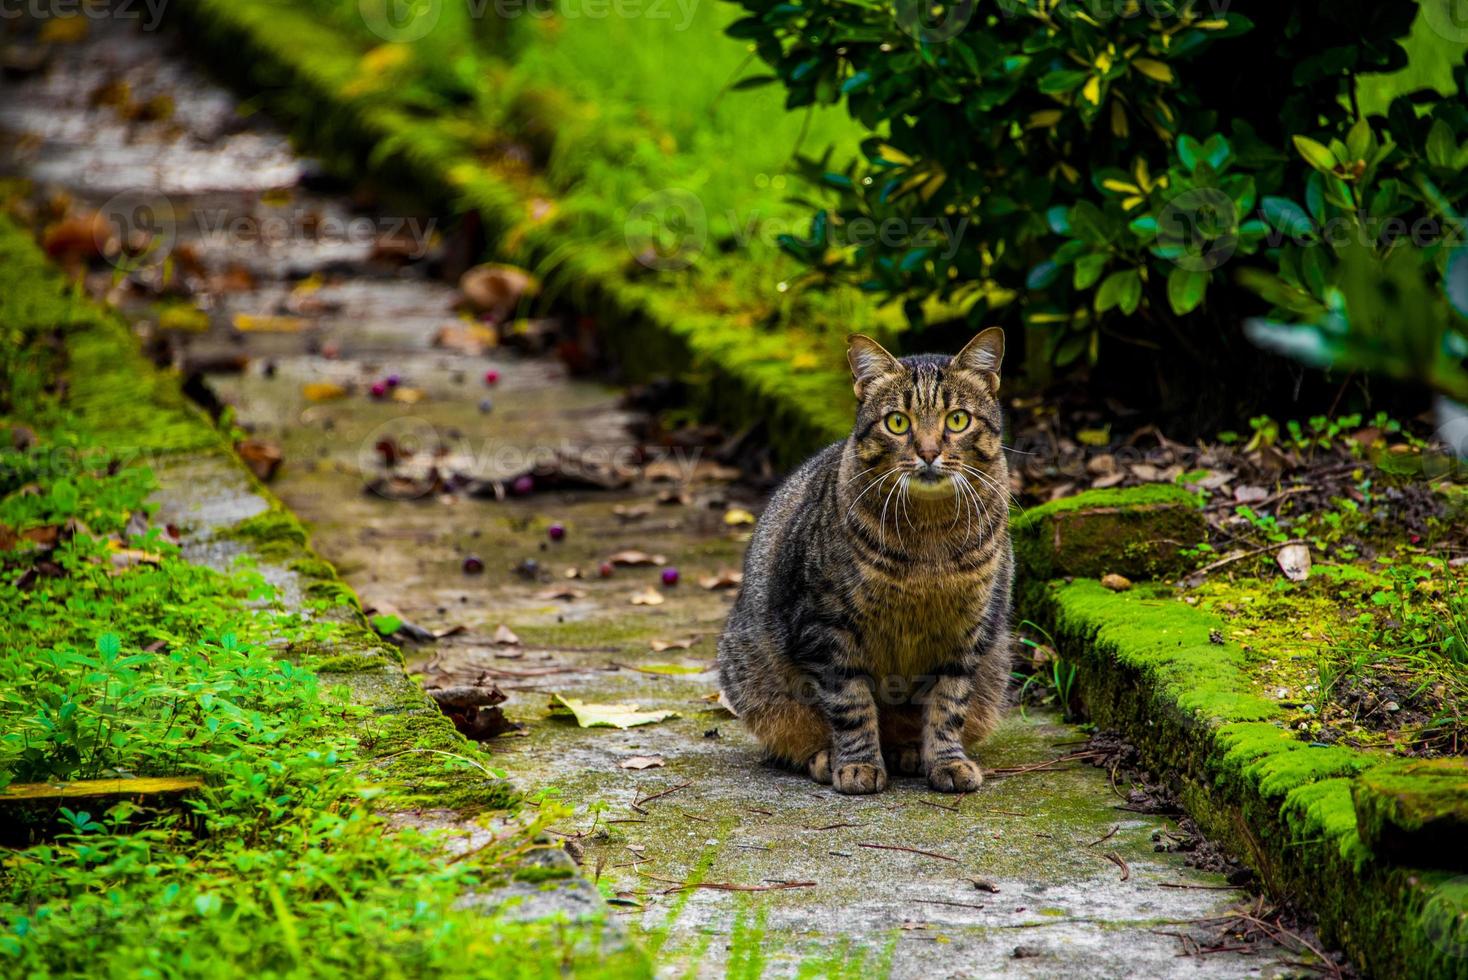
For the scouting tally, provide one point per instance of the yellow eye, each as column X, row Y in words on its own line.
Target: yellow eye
column 898, row 424
column 958, row 421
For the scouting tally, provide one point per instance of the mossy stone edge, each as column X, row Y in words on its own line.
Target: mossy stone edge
column 1149, row 668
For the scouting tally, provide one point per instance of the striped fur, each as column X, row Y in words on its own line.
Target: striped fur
column 872, row 628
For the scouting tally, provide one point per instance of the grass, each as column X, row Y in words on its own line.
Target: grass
column 119, row 658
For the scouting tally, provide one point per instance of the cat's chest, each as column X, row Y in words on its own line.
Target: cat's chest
column 918, row 623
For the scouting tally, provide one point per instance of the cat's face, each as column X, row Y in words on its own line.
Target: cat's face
column 929, row 418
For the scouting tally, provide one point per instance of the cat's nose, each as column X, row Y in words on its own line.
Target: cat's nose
column 927, row 455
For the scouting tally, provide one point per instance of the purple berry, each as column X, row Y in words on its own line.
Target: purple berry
column 485, row 406
column 393, row 380
column 523, row 485
column 473, row 565
column 379, row 389
column 556, row 531
column 670, row 576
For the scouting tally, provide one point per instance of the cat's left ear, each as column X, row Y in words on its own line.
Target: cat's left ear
column 982, row 356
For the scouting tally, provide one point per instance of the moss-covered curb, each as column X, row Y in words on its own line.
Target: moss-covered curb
column 304, row 73
column 117, row 399
column 1150, row 666
column 1133, row 531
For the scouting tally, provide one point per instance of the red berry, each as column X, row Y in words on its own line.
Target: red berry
column 473, row 565
column 556, row 531
column 670, row 576
column 379, row 389
column 491, row 376
column 605, row 569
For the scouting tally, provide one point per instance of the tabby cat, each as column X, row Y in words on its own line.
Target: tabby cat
column 872, row 628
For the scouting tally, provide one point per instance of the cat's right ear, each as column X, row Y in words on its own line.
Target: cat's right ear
column 869, row 361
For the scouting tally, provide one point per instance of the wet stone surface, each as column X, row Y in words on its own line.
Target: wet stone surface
column 1069, row 883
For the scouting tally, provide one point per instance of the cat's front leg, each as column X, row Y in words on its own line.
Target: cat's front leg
column 945, row 710
column 850, row 707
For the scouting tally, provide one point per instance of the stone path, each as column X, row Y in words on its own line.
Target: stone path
column 821, row 884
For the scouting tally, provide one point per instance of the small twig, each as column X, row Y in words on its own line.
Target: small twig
column 1117, row 860
column 636, row 804
column 937, row 901
column 1007, row 813
column 1252, row 553
column 1105, row 837
column 939, row 806
column 834, row 826
column 1210, row 888
column 692, row 816
column 763, row 813
column 910, row 850
column 725, row 886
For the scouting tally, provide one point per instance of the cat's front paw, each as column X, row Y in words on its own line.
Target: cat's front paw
column 855, row 778
column 819, row 767
column 955, row 776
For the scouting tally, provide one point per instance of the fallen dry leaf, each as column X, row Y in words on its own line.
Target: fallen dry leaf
column 1116, row 583
column 630, row 514
column 590, row 715
column 466, row 338
column 250, row 323
column 660, row 646
column 636, row 559
column 1294, row 561
column 648, row 597
column 408, row 396
column 736, row 516
column 640, row 762
column 724, row 579
column 561, row 592
column 1249, row 494
column 505, row 637
column 497, row 289
column 262, row 457
column 323, row 391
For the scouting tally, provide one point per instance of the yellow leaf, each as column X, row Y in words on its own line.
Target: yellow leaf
column 589, row 715
column 248, row 323
column 1103, row 63
column 893, row 155
column 736, row 516
column 1094, row 437
column 1120, row 186
column 323, row 391
column 183, row 318
column 385, row 57
column 1044, row 119
column 1071, row 173
column 62, row 30
column 1130, row 202
column 1091, row 91
column 1211, row 25
column 1155, row 70
column 804, row 361
column 1120, row 128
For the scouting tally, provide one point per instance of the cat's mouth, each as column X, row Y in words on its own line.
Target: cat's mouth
column 929, row 481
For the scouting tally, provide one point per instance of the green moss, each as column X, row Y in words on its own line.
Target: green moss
column 538, row 873
column 349, row 663
column 1148, row 668
column 1415, row 811
column 273, row 533
column 313, row 568
column 1136, row 531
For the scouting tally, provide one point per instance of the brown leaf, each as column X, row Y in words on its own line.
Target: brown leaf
column 630, row 514
column 496, row 289
column 466, row 338
column 660, row 646
column 640, row 762
column 262, row 456
column 1109, row 480
column 505, row 637
column 648, row 597
column 323, row 391
column 636, row 559
column 1115, row 582
column 565, row 592
column 250, row 323
column 725, row 579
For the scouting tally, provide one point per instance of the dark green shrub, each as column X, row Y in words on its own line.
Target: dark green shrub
column 1147, row 172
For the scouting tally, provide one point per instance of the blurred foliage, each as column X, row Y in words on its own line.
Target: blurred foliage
column 1126, row 170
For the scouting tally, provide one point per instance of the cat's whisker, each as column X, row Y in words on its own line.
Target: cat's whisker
column 882, row 524
column 992, row 484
